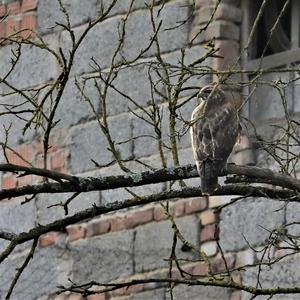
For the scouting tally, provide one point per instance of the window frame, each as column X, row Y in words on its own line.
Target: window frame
column 277, row 59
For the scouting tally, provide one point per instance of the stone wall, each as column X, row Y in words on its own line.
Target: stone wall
column 136, row 242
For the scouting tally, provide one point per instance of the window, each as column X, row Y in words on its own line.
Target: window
column 280, row 40
column 284, row 42
column 283, row 51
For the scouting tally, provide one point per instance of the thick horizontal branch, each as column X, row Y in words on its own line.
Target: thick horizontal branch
column 87, row 184
column 57, row 176
column 190, row 282
column 265, row 176
column 59, row 225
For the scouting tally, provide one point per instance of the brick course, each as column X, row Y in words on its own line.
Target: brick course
column 21, row 16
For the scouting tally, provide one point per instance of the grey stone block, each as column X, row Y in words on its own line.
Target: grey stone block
column 292, row 215
column 49, row 13
column 148, row 189
column 271, row 133
column 110, row 196
column 96, row 44
column 185, row 292
column 153, row 161
column 35, row 66
column 266, row 102
column 6, row 1
column 158, row 294
column 296, row 100
column 138, row 35
column 80, row 12
column 282, row 274
column 183, row 125
column 46, row 214
column 103, row 259
column 218, row 29
column 12, row 210
column 88, row 142
column 16, row 125
column 225, row 12
column 249, row 218
column 153, row 242
column 139, row 30
column 135, row 83
column 191, row 55
column 121, row 7
column 49, row 268
column 247, row 296
column 186, row 157
column 73, row 108
column 145, row 142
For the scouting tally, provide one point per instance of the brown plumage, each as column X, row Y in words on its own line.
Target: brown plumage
column 214, row 132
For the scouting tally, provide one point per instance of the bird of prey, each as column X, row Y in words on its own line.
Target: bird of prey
column 214, row 131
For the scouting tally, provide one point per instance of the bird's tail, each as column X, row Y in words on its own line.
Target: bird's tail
column 209, row 178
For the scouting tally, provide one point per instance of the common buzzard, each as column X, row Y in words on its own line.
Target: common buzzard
column 214, row 131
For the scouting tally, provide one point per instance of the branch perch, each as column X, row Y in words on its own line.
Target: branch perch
column 88, row 184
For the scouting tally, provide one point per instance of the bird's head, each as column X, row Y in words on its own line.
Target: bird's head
column 211, row 93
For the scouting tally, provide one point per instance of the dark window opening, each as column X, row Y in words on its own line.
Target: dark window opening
column 281, row 37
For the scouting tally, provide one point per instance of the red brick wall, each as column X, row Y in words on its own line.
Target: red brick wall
column 18, row 16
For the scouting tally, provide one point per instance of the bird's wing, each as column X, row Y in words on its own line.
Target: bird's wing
column 214, row 135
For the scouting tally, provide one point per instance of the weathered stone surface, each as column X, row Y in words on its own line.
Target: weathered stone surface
column 80, row 12
column 145, row 142
column 96, row 44
column 191, row 55
column 199, row 292
column 121, row 194
column 88, row 142
column 12, row 210
column 154, row 161
column 224, row 12
column 104, row 258
column 6, row 1
column 282, row 274
column 186, row 157
column 158, row 294
column 249, row 218
column 34, row 67
column 296, row 90
column 134, row 82
column 218, row 29
column 139, row 88
column 49, row 13
column 138, row 35
column 292, row 215
column 264, row 96
column 73, row 108
column 110, row 196
column 149, row 189
column 139, row 29
column 49, row 268
column 16, row 125
column 271, row 133
column 123, row 5
column 153, row 242
column 182, row 127
column 46, row 214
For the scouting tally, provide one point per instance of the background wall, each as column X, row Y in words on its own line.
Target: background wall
column 131, row 243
